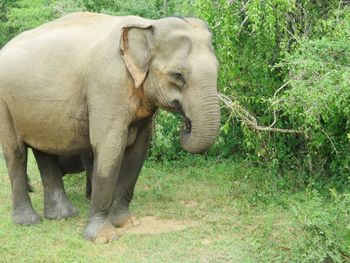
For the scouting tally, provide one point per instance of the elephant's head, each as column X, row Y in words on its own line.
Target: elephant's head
column 174, row 62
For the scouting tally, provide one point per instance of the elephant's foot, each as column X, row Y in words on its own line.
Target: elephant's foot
column 59, row 207
column 25, row 216
column 119, row 215
column 100, row 231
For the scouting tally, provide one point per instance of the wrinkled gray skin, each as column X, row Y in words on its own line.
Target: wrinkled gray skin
column 91, row 83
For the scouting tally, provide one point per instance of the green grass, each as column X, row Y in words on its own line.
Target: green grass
column 237, row 212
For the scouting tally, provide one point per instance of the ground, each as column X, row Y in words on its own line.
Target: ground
column 195, row 210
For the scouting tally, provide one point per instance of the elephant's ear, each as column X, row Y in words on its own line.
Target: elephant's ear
column 135, row 47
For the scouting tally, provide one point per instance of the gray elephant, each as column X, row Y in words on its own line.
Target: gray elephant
column 91, row 83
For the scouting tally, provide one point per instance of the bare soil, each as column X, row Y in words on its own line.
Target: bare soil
column 152, row 225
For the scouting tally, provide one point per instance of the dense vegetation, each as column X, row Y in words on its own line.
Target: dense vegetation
column 285, row 61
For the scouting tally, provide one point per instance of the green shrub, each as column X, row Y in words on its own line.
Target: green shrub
column 26, row 14
column 319, row 96
column 311, row 39
column 326, row 227
column 165, row 142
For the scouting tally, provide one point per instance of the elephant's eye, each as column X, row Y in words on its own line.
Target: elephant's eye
column 177, row 75
column 177, row 78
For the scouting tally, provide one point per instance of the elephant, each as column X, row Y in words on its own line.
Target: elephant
column 91, row 83
column 70, row 165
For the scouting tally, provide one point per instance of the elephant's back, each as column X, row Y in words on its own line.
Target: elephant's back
column 62, row 51
column 78, row 31
column 56, row 47
column 42, row 80
column 81, row 24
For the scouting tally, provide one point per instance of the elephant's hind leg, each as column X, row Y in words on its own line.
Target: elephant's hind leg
column 15, row 153
column 56, row 203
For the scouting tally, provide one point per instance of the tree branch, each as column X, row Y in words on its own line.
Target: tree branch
column 247, row 118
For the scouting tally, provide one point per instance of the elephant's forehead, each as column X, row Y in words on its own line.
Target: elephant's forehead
column 186, row 25
column 194, row 38
column 197, row 23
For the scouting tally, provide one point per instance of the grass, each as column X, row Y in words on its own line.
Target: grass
column 237, row 212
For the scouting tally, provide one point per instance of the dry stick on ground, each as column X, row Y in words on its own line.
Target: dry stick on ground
column 249, row 119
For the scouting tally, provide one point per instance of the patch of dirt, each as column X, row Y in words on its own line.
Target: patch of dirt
column 152, row 225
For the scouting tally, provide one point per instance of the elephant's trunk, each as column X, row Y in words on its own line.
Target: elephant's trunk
column 203, row 123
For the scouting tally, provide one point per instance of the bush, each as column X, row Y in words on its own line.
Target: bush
column 326, row 228
column 22, row 15
column 165, row 142
column 319, row 96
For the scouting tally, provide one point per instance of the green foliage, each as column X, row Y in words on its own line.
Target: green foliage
column 149, row 9
column 248, row 38
column 326, row 227
column 252, row 38
column 319, row 95
column 165, row 143
column 5, row 5
column 27, row 14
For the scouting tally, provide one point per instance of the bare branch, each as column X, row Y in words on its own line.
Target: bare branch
column 247, row 118
column 331, row 141
column 244, row 21
column 275, row 102
column 279, row 89
column 218, row 24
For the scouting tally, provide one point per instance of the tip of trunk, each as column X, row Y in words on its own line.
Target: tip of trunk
column 199, row 142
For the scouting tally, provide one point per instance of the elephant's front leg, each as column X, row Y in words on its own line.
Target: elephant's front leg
column 108, row 155
column 56, row 203
column 133, row 160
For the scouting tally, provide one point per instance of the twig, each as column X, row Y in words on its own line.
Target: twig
column 293, row 36
column 59, row 9
column 280, row 88
column 218, row 24
column 247, row 118
column 331, row 141
column 244, row 21
column 274, row 97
